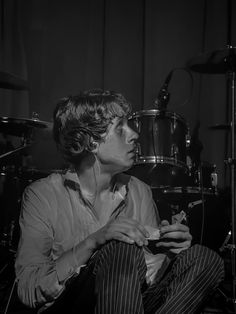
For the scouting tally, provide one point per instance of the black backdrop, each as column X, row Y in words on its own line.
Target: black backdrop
column 62, row 46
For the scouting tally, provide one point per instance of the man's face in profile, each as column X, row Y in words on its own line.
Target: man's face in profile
column 117, row 151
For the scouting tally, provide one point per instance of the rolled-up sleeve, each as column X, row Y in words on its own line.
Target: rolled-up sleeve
column 40, row 276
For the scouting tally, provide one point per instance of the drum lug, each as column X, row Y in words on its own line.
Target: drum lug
column 138, row 152
column 174, row 151
column 187, row 140
column 137, row 125
column 214, row 177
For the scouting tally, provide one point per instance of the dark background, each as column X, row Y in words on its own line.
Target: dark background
column 62, row 46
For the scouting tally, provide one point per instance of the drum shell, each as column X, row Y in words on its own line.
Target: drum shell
column 161, row 148
column 162, row 137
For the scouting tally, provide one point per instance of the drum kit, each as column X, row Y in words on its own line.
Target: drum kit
column 170, row 163
column 166, row 161
column 17, row 139
column 166, row 157
column 16, row 171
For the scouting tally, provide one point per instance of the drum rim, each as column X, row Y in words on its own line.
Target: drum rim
column 189, row 189
column 153, row 112
column 160, row 160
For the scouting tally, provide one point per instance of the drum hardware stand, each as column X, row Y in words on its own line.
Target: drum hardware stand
column 181, row 213
column 185, row 214
column 226, row 244
column 219, row 62
column 192, row 204
column 231, row 162
column 14, row 151
column 163, row 95
column 9, row 286
column 6, row 237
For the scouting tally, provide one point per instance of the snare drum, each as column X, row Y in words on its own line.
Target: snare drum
column 162, row 145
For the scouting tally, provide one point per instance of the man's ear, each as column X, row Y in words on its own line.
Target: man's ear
column 94, row 146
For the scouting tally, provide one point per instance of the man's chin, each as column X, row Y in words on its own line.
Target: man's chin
column 126, row 168
column 118, row 168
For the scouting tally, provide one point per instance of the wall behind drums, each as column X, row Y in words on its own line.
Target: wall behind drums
column 44, row 154
column 60, row 47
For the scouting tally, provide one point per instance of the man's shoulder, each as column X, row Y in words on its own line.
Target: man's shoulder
column 47, row 183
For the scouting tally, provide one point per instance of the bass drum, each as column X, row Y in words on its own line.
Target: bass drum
column 161, row 148
column 206, row 213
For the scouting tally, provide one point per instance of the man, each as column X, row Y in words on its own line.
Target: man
column 84, row 234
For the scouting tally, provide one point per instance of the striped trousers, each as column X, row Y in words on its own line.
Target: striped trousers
column 114, row 282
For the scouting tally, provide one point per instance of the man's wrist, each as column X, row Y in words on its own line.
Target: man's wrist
column 90, row 244
column 83, row 251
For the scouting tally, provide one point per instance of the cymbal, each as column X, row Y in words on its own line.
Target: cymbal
column 215, row 62
column 10, row 81
column 21, row 126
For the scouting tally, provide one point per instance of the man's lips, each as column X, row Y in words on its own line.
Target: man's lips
column 132, row 151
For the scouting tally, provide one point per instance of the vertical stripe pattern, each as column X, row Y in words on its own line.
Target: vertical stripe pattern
column 195, row 273
column 120, row 273
column 114, row 282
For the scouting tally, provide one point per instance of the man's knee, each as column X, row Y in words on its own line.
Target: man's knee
column 206, row 259
column 209, row 255
column 120, row 254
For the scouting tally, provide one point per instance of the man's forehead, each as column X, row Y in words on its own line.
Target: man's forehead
column 115, row 122
column 118, row 120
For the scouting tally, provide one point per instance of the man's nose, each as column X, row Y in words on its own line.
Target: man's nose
column 133, row 136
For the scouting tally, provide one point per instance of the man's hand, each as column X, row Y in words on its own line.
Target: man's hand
column 175, row 237
column 121, row 229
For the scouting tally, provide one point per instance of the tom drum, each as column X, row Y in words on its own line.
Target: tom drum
column 161, row 148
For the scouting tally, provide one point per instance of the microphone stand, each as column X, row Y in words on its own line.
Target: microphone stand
column 164, row 95
column 231, row 161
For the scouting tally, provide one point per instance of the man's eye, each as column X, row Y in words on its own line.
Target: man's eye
column 120, row 129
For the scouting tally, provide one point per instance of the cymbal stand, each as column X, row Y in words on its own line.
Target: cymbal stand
column 6, row 236
column 26, row 141
column 231, row 162
column 230, row 61
column 15, row 151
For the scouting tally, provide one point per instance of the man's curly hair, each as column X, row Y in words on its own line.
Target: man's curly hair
column 79, row 120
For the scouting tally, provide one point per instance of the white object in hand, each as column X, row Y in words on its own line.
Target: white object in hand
column 154, row 233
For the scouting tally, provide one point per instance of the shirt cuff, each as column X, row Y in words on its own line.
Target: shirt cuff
column 66, row 266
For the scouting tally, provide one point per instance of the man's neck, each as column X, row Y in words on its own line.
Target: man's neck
column 93, row 180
